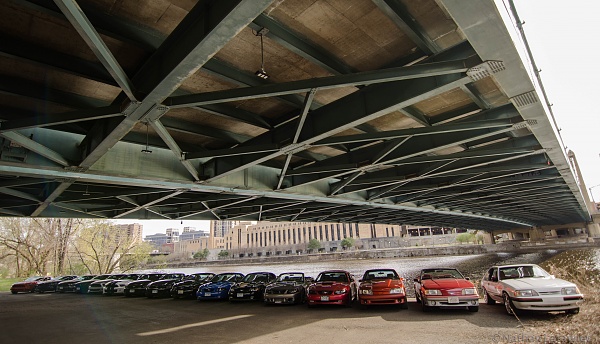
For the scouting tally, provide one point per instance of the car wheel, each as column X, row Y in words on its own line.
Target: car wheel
column 12, row 291
column 487, row 298
column 510, row 307
column 573, row 311
column 473, row 308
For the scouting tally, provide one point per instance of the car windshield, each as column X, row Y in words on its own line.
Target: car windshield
column 256, row 277
column 380, row 274
column 224, row 277
column 332, row 277
column 31, row 279
column 291, row 277
column 101, row 277
column 524, row 271
column 131, row 277
column 171, row 276
column 197, row 277
column 440, row 273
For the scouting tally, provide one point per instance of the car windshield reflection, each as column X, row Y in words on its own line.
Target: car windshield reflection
column 440, row 274
column 525, row 271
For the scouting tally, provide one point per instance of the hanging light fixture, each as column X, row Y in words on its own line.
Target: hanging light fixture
column 146, row 150
column 261, row 72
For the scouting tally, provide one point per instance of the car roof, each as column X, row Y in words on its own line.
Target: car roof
column 514, row 265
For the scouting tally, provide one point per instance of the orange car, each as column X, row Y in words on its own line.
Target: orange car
column 382, row 287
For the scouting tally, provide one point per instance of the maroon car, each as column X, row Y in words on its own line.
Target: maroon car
column 333, row 287
column 28, row 285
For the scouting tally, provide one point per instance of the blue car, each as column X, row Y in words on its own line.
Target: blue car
column 218, row 287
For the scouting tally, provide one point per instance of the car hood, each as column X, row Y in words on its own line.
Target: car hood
column 249, row 284
column 284, row 285
column 446, row 283
column 331, row 285
column 25, row 283
column 162, row 282
column 538, row 283
column 381, row 284
column 219, row 285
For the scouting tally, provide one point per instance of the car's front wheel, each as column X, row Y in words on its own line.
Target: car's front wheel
column 508, row 304
column 487, row 298
column 573, row 311
column 473, row 308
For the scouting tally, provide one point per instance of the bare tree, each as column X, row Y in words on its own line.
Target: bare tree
column 102, row 248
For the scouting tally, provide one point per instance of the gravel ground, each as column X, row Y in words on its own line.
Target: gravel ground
column 62, row 318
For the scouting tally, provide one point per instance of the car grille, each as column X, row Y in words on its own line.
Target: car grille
column 557, row 292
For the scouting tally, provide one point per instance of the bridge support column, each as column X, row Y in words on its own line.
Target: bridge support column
column 536, row 234
column 488, row 238
column 593, row 230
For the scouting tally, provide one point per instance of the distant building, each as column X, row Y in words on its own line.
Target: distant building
column 172, row 238
column 220, row 229
column 132, row 232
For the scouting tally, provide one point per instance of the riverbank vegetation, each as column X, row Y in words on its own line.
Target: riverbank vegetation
column 579, row 267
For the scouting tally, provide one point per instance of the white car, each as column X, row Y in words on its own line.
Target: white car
column 529, row 287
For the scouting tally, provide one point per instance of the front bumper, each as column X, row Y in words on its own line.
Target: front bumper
column 158, row 292
column 212, row 295
column 282, row 298
column 331, row 299
column 183, row 293
column 245, row 295
column 548, row 303
column 384, row 299
column 451, row 301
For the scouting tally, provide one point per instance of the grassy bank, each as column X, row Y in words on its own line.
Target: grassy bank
column 582, row 327
column 5, row 283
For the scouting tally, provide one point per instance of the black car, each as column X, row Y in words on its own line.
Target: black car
column 289, row 288
column 138, row 287
column 82, row 286
column 51, row 285
column 69, row 286
column 252, row 287
column 189, row 284
column 117, row 286
column 162, row 287
column 97, row 287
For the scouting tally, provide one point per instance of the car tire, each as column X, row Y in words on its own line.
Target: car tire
column 12, row 291
column 403, row 305
column 487, row 298
column 573, row 311
column 508, row 305
column 473, row 308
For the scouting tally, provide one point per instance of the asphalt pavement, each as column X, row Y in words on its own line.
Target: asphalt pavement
column 73, row 318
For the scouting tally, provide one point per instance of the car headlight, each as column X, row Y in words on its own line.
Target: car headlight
column 570, row 291
column 469, row 291
column 525, row 293
column 338, row 292
column 432, row 292
column 396, row 291
column 366, row 292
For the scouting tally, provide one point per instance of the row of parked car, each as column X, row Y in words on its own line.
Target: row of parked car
column 518, row 287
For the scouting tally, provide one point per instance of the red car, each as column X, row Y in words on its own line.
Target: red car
column 445, row 287
column 382, row 287
column 28, row 285
column 333, row 287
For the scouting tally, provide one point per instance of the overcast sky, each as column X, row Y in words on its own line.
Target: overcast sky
column 563, row 37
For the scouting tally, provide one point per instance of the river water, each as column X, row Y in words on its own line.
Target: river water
column 472, row 266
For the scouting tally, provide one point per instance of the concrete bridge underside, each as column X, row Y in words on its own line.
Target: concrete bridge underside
column 382, row 111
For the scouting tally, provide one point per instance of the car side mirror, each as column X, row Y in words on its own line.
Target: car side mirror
column 416, row 280
column 360, row 280
column 468, row 278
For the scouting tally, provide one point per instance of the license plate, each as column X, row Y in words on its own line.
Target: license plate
column 207, row 294
column 453, row 299
column 277, row 301
column 240, row 294
column 180, row 292
column 324, row 298
column 132, row 290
